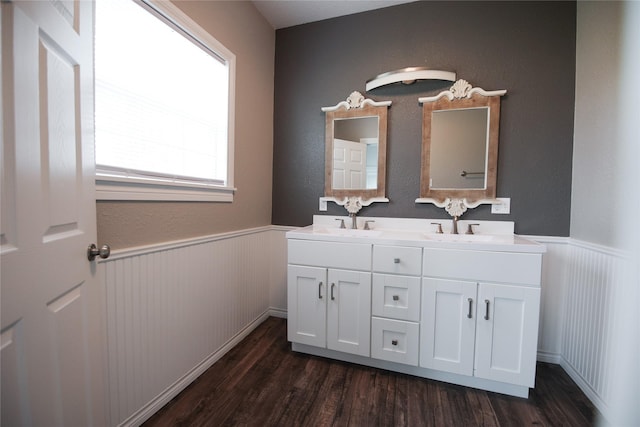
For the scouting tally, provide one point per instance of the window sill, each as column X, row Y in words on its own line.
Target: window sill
column 111, row 188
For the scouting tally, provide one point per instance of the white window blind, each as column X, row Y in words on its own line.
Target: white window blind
column 162, row 99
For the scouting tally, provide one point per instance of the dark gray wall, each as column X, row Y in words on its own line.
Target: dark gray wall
column 526, row 48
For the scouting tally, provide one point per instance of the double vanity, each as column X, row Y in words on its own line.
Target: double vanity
column 460, row 308
column 452, row 300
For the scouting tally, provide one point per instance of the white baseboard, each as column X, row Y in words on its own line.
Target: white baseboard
column 586, row 388
column 549, row 357
column 278, row 312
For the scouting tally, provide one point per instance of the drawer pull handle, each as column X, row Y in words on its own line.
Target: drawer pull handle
column 394, row 342
column 320, row 290
column 333, row 286
column 470, row 315
column 486, row 314
column 396, row 297
column 396, row 260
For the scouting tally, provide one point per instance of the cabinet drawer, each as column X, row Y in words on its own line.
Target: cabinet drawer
column 352, row 256
column 483, row 266
column 394, row 340
column 397, row 260
column 397, row 297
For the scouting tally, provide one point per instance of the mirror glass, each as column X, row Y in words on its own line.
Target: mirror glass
column 460, row 147
column 355, row 153
column 355, row 150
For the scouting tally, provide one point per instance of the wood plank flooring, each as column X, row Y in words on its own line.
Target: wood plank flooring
column 261, row 382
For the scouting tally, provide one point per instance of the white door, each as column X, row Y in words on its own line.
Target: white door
column 507, row 333
column 447, row 332
column 51, row 314
column 349, row 164
column 349, row 312
column 306, row 302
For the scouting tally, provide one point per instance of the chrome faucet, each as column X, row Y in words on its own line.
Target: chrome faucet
column 354, row 223
column 454, row 228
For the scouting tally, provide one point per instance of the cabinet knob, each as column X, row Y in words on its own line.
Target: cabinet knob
column 396, row 260
column 394, row 342
column 396, row 297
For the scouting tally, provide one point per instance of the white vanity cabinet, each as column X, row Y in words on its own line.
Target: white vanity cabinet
column 487, row 327
column 449, row 308
column 395, row 304
column 329, row 305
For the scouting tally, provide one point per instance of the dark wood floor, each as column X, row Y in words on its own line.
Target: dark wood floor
column 261, row 382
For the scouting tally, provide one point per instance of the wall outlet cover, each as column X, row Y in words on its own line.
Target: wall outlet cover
column 503, row 208
column 323, row 205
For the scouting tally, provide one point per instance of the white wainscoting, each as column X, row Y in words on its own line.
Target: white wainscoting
column 554, row 264
column 594, row 278
column 175, row 309
column 580, row 313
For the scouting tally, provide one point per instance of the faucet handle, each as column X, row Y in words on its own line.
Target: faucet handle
column 366, row 224
column 470, row 228
column 439, row 229
column 341, row 222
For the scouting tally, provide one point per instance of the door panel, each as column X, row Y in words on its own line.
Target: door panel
column 51, row 312
column 349, row 166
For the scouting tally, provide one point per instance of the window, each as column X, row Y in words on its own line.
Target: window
column 163, row 105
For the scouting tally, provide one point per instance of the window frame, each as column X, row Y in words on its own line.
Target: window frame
column 112, row 184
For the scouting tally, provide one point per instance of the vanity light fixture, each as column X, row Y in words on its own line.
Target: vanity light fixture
column 409, row 76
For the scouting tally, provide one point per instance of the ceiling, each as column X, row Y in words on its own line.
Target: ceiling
column 287, row 13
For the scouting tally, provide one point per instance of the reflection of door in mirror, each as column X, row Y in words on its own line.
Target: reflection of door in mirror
column 355, row 153
column 459, row 148
column 349, row 159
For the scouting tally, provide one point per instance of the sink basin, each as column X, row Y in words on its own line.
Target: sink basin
column 347, row 232
column 469, row 238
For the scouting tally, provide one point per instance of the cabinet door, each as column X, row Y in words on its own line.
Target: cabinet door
column 306, row 304
column 447, row 332
column 349, row 311
column 507, row 333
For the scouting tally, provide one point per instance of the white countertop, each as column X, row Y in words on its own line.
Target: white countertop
column 488, row 235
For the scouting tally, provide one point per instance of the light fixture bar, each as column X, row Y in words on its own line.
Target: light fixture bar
column 409, row 75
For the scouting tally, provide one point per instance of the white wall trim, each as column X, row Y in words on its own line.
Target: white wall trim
column 546, row 357
column 175, row 244
column 156, row 404
column 278, row 312
column 594, row 247
column 586, row 388
column 174, row 309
